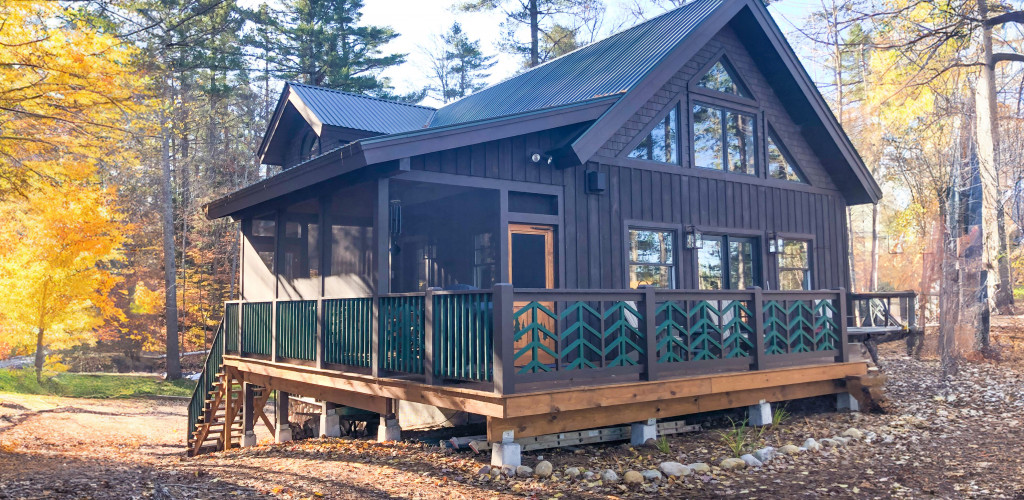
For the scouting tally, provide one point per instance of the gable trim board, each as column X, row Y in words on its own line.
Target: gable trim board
column 607, row 113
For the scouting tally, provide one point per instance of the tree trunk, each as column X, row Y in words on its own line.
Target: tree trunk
column 40, row 355
column 949, row 295
column 993, row 216
column 534, row 34
column 170, row 270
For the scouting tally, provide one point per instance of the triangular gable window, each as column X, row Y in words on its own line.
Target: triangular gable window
column 662, row 144
column 722, row 78
column 780, row 166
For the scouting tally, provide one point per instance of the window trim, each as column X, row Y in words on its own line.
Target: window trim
column 806, row 238
column 644, row 225
column 772, row 133
column 758, row 239
column 757, row 114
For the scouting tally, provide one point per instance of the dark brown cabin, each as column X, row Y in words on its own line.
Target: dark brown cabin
column 659, row 214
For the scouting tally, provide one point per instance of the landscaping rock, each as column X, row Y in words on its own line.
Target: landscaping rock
column 495, row 471
column 766, row 454
column 589, row 475
column 485, row 470
column 841, row 441
column 609, row 476
column 674, row 469
column 700, row 468
column 633, row 477
column 751, row 461
column 524, row 471
column 573, row 472
column 508, row 470
column 733, row 463
column 790, row 449
column 853, row 433
column 829, row 443
column 655, row 476
column 812, row 445
column 544, row 469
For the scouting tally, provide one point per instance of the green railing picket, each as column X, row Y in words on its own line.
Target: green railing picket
column 296, row 329
column 463, row 336
column 347, row 331
column 801, row 326
column 401, row 333
column 231, row 327
column 256, row 328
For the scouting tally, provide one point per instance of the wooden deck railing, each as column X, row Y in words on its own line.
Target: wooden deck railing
column 877, row 310
column 516, row 340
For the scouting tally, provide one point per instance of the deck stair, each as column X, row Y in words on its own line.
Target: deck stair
column 214, row 413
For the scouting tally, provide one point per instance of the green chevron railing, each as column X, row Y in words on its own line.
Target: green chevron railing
column 504, row 338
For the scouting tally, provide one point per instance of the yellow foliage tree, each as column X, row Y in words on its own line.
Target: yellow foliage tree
column 69, row 94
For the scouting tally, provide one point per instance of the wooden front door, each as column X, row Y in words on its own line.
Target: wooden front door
column 531, row 264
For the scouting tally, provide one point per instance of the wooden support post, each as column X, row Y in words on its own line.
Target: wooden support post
column 759, row 347
column 648, row 308
column 428, row 335
column 843, row 354
column 389, row 430
column 283, row 432
column 230, row 411
column 504, row 339
column 248, row 415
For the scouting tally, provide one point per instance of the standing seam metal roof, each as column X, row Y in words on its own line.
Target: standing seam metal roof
column 609, row 66
column 343, row 109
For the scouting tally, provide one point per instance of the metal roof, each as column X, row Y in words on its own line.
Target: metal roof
column 344, row 109
column 606, row 67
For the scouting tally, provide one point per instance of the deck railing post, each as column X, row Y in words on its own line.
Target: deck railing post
column 273, row 331
column 911, row 317
column 241, row 329
column 759, row 350
column 503, row 343
column 843, row 354
column 375, row 336
column 648, row 307
column 428, row 335
column 320, row 346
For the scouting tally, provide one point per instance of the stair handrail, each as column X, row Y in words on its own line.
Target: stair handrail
column 204, row 385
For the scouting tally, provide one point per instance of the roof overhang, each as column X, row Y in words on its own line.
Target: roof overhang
column 768, row 46
column 288, row 98
column 388, row 148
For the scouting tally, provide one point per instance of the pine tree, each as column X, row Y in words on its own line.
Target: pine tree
column 459, row 66
column 321, row 42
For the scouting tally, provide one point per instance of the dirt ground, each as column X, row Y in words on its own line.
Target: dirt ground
column 935, row 440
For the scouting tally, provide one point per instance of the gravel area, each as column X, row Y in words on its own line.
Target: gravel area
column 936, row 439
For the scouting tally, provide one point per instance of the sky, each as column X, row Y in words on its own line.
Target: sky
column 420, row 22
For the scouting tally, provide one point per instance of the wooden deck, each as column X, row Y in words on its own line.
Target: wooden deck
column 561, row 410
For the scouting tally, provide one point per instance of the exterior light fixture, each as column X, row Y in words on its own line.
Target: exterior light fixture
column 774, row 243
column 693, row 238
column 535, row 157
column 538, row 157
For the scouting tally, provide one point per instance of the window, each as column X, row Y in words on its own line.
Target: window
column 301, row 244
column 651, row 258
column 264, row 234
column 779, row 164
column 660, row 144
column 484, row 268
column 795, row 265
column 722, row 78
column 724, row 140
column 727, row 262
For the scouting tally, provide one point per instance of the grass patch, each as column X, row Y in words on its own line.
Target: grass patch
column 91, row 386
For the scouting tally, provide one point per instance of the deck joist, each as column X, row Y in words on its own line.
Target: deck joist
column 545, row 412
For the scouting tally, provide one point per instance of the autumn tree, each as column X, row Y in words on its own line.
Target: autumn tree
column 70, row 94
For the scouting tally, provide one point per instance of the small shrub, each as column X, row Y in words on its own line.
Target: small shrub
column 662, row 445
column 779, row 416
column 738, row 438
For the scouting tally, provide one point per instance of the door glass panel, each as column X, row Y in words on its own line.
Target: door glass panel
column 709, row 261
column 741, row 263
column 528, row 260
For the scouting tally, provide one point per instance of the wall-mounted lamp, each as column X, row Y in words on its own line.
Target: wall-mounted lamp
column 774, row 243
column 542, row 158
column 693, row 238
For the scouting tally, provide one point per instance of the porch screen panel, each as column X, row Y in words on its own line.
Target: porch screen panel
column 348, row 228
column 299, row 263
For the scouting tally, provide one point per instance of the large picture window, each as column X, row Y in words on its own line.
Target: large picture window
column 651, row 258
column 727, row 262
column 724, row 140
column 722, row 78
column 795, row 265
column 661, row 143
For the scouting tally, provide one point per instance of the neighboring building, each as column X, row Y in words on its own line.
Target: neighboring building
column 691, row 153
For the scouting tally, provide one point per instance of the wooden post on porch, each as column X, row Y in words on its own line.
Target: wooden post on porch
column 843, row 349
column 248, row 415
column 648, row 309
column 428, row 335
column 759, row 350
column 283, row 431
column 502, row 344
